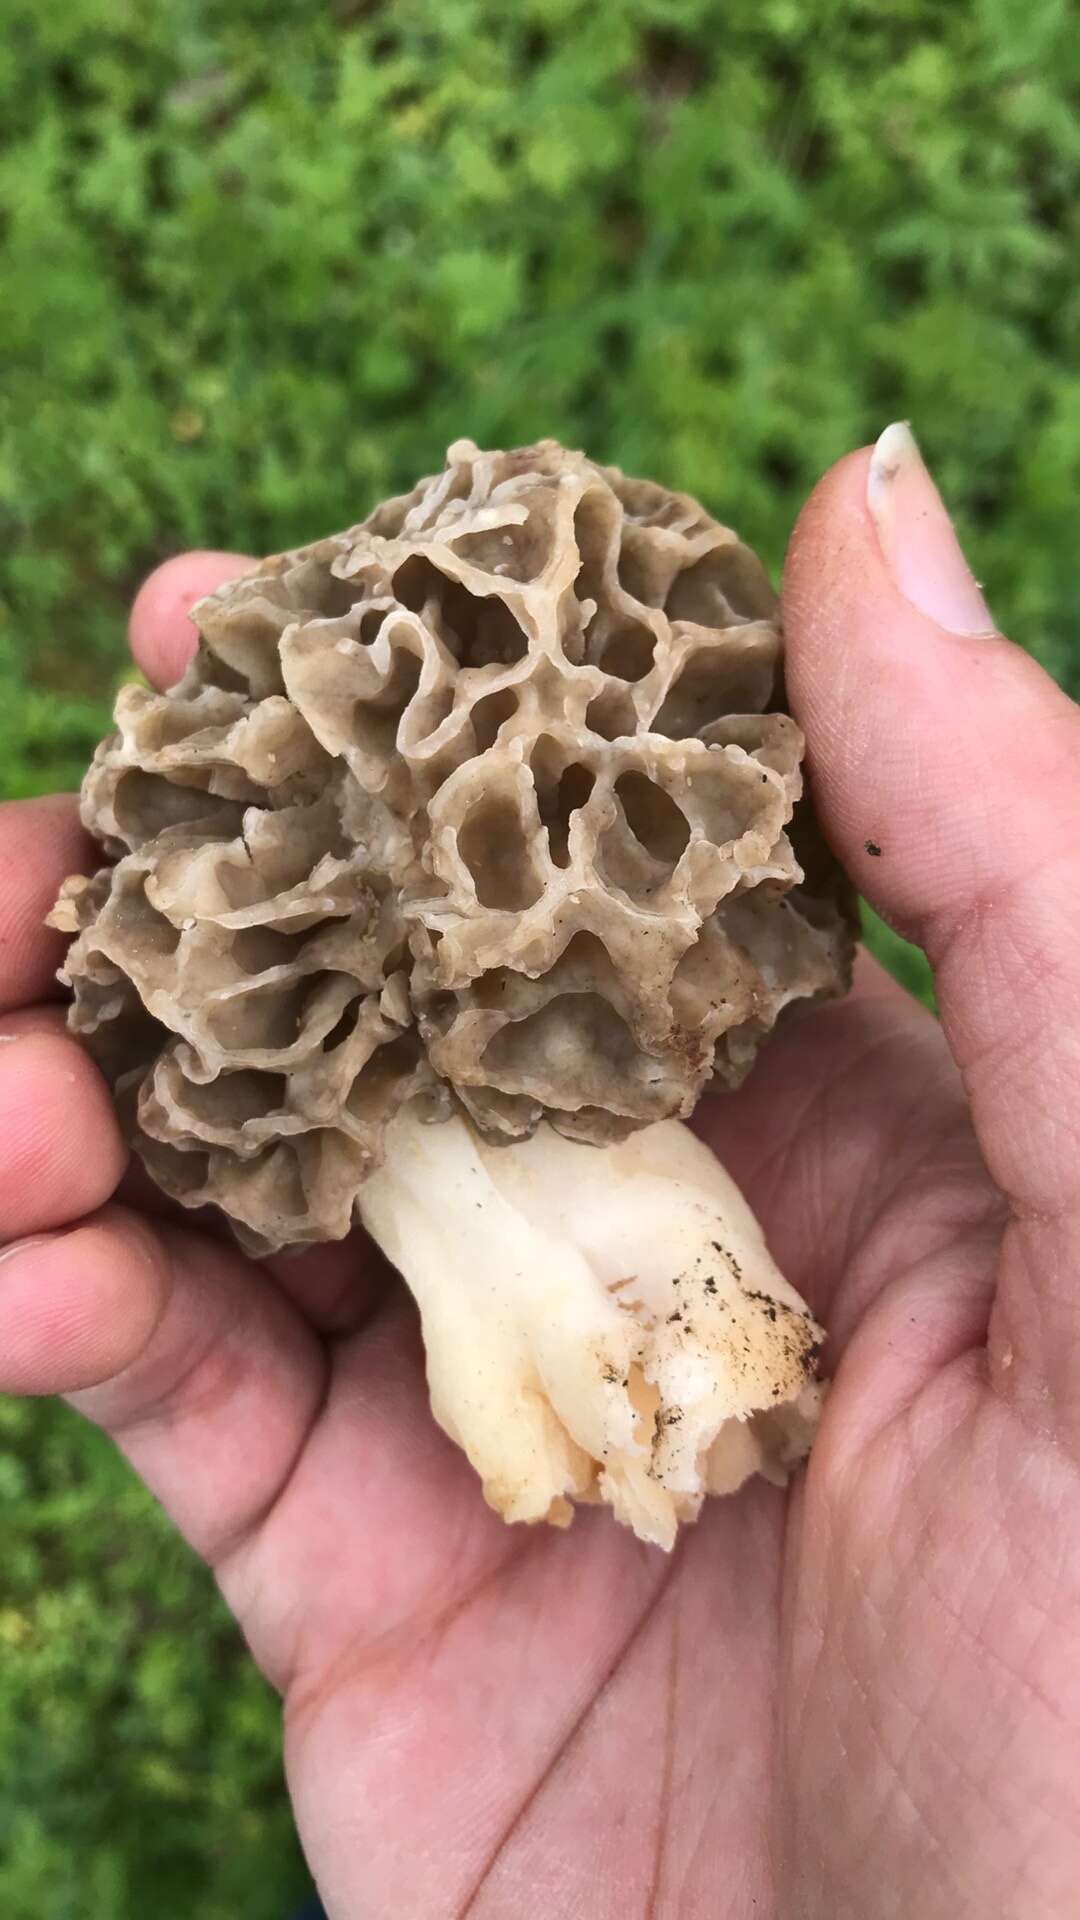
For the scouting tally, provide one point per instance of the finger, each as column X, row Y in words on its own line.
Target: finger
column 42, row 1018
column 161, row 634
column 177, row 1347
column 62, row 1152
column 75, row 1307
column 946, row 767
column 41, row 842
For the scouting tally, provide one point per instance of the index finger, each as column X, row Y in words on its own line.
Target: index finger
column 161, row 634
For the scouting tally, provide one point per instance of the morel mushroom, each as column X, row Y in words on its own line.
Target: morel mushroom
column 452, row 872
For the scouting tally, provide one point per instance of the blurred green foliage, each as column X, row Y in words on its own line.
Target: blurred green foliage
column 261, row 263
column 139, row 1764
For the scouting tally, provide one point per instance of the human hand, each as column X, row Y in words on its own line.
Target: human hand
column 854, row 1700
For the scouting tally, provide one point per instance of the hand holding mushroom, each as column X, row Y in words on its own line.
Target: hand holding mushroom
column 460, row 854
column 853, row 1697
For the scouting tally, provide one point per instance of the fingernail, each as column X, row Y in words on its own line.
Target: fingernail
column 23, row 1246
column 921, row 550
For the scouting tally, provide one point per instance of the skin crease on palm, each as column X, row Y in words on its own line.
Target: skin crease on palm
column 856, row 1701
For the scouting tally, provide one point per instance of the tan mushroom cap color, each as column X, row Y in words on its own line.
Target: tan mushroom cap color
column 485, row 802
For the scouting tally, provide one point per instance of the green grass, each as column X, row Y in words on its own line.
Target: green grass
column 262, row 262
column 139, row 1750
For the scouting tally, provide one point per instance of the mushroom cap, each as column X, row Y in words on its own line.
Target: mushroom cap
column 488, row 802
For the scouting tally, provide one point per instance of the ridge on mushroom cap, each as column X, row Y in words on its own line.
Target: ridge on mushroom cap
column 485, row 800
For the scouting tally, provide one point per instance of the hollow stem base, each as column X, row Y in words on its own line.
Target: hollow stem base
column 601, row 1323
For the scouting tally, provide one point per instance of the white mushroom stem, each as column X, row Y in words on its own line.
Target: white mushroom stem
column 601, row 1323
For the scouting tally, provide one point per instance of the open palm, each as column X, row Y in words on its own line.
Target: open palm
column 858, row 1699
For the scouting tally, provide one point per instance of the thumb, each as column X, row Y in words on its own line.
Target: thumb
column 946, row 769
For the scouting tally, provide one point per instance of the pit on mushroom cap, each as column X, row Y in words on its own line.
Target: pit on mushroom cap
column 478, row 823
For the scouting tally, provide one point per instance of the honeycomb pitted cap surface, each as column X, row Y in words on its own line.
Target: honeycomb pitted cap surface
column 488, row 800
